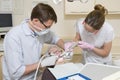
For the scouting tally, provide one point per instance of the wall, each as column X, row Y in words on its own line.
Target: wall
column 65, row 22
column 60, row 27
column 65, row 25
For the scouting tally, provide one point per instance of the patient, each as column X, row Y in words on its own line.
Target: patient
column 52, row 56
column 62, row 55
column 53, row 53
column 56, row 51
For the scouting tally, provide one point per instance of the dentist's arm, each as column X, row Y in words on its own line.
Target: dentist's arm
column 45, row 61
column 60, row 43
column 30, row 68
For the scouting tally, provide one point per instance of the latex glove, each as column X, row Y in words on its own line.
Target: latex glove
column 68, row 45
column 49, row 61
column 85, row 45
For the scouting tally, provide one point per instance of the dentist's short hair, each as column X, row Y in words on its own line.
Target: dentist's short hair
column 43, row 12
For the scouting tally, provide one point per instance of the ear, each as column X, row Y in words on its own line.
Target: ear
column 35, row 20
column 96, row 31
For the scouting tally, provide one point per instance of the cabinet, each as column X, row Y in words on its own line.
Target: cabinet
column 77, row 7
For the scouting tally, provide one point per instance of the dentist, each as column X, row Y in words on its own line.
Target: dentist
column 23, row 43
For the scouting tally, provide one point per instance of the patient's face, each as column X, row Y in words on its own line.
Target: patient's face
column 54, row 50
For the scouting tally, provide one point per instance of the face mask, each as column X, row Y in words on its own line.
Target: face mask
column 92, row 33
column 42, row 32
column 89, row 33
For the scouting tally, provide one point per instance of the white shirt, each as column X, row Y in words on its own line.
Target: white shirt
column 104, row 35
column 22, row 47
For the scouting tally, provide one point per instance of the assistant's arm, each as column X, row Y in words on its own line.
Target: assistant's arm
column 104, row 50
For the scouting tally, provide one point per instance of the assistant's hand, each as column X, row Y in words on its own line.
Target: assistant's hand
column 68, row 45
column 85, row 45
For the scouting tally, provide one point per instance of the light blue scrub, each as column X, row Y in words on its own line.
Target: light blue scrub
column 22, row 47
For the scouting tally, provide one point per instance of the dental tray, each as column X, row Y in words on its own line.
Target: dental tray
column 76, row 76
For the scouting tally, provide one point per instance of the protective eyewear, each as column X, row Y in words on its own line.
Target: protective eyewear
column 44, row 24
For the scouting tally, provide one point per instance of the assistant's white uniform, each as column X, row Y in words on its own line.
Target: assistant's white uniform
column 104, row 35
column 23, row 47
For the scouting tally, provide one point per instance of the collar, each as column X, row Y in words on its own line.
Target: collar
column 26, row 28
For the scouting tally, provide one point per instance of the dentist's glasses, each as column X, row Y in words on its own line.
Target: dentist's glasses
column 44, row 24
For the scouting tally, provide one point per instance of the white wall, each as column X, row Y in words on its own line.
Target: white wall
column 65, row 25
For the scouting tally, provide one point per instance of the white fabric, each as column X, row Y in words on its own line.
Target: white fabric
column 62, row 70
column 49, row 61
column 22, row 47
column 104, row 35
column 98, row 71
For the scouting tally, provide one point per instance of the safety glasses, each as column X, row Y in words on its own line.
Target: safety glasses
column 44, row 24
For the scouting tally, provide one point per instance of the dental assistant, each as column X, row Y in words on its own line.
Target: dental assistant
column 23, row 43
column 95, row 37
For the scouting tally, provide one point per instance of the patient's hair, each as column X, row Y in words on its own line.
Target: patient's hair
column 96, row 18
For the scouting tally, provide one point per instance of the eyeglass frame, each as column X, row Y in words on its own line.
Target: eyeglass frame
column 44, row 24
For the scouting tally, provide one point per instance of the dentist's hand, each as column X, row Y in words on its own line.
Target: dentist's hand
column 54, row 50
column 85, row 45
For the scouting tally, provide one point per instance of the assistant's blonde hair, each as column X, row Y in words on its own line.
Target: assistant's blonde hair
column 96, row 18
column 101, row 8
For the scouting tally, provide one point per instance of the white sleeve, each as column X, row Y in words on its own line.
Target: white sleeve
column 77, row 26
column 13, row 55
column 110, row 36
column 51, row 38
